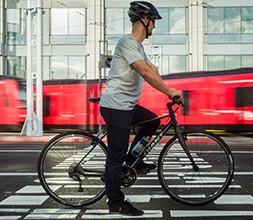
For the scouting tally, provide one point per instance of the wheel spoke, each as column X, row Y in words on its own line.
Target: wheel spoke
column 66, row 175
column 202, row 186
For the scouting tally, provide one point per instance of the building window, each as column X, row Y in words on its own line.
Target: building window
column 68, row 26
column 67, row 67
column 247, row 20
column 173, row 64
column 170, row 30
column 117, row 24
column 16, row 66
column 173, row 21
column 219, row 62
column 247, row 61
column 224, row 62
column 15, row 26
column 230, row 25
column 177, row 64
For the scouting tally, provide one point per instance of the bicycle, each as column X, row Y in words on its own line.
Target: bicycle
column 194, row 168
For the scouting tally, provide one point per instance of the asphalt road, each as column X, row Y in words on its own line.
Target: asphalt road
column 22, row 197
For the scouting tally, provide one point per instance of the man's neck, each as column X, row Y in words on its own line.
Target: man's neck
column 138, row 32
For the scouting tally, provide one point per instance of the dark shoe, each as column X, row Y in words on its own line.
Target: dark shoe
column 144, row 167
column 126, row 208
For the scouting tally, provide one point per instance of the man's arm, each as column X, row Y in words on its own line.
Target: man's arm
column 152, row 76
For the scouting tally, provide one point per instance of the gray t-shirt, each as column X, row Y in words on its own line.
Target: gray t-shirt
column 124, row 84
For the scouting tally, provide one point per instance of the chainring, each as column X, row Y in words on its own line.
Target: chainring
column 129, row 176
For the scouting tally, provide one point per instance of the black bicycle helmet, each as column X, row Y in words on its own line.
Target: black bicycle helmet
column 141, row 9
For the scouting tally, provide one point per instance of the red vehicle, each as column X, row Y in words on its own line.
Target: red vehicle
column 217, row 100
column 66, row 104
column 220, row 100
column 12, row 103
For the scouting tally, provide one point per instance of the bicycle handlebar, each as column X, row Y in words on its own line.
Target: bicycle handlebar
column 176, row 100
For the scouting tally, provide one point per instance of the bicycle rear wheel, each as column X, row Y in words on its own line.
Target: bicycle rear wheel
column 182, row 183
column 70, row 168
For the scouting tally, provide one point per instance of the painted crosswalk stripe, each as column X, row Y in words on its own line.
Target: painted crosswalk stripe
column 24, row 200
column 104, row 214
column 208, row 213
column 52, row 213
column 51, row 216
column 14, row 210
column 235, row 199
column 11, row 217
column 35, row 189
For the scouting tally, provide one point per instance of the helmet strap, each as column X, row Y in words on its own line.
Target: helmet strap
column 146, row 26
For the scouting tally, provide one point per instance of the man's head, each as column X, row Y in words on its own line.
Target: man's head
column 141, row 10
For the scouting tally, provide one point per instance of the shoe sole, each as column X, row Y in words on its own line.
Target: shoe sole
column 128, row 214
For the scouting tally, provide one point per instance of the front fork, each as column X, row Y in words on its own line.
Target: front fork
column 182, row 138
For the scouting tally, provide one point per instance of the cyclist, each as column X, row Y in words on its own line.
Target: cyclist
column 130, row 67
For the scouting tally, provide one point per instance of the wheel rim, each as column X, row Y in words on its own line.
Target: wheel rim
column 196, row 187
column 58, row 163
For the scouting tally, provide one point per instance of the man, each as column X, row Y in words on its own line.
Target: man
column 130, row 67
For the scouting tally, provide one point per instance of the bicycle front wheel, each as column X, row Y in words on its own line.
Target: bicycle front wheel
column 71, row 166
column 215, row 168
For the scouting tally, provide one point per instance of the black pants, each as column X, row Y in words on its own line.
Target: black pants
column 118, row 124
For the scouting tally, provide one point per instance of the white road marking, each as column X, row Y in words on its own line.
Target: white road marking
column 104, row 214
column 14, row 210
column 11, row 217
column 24, row 200
column 20, row 151
column 51, row 213
column 35, row 189
column 208, row 213
column 51, row 216
column 235, row 199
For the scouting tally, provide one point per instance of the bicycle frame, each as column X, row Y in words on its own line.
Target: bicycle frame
column 178, row 132
column 172, row 123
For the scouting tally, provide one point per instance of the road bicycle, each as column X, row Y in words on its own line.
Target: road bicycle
column 194, row 168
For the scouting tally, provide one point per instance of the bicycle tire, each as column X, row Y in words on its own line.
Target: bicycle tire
column 55, row 168
column 189, row 187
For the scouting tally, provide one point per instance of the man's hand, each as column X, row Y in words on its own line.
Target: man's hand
column 174, row 92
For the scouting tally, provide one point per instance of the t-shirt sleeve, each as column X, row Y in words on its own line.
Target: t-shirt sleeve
column 131, row 51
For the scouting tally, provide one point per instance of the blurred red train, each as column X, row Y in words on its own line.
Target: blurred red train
column 217, row 100
column 12, row 103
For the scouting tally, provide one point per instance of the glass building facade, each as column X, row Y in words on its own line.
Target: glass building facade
column 192, row 36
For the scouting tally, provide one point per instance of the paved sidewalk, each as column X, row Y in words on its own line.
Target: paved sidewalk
column 15, row 137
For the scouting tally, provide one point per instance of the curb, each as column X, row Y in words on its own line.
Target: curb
column 17, row 139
